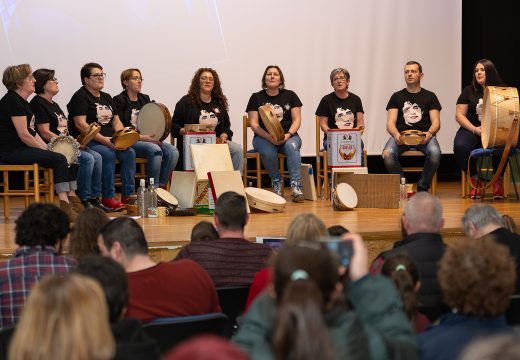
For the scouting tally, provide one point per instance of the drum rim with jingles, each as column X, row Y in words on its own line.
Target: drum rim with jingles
column 344, row 197
column 258, row 199
column 86, row 137
column 60, row 143
column 125, row 137
column 494, row 131
column 271, row 122
column 412, row 137
column 143, row 123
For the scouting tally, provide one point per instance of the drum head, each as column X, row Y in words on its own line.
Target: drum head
column 346, row 196
column 92, row 131
column 165, row 198
column 271, row 122
column 154, row 119
column 125, row 138
column 67, row 146
column 412, row 137
column 261, row 199
column 500, row 106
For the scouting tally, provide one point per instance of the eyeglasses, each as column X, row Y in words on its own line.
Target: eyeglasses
column 99, row 76
column 136, row 78
column 54, row 79
column 206, row 78
column 339, row 78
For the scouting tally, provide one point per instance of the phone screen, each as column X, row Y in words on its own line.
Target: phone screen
column 341, row 247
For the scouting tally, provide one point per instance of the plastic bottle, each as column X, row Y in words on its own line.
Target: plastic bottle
column 152, row 200
column 403, row 193
column 141, row 202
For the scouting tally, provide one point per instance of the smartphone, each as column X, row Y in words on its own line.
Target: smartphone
column 343, row 248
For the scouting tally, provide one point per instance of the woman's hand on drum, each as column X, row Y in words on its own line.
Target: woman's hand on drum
column 477, row 130
column 224, row 138
column 108, row 142
column 149, row 138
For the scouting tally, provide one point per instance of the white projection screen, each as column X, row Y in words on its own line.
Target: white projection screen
column 169, row 40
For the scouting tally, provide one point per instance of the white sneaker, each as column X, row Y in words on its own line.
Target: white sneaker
column 277, row 188
column 297, row 193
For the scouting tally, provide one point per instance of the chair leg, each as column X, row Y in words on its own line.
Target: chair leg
column 513, row 175
column 318, row 176
column 326, row 176
column 6, row 196
column 463, row 185
column 258, row 172
column 434, row 184
column 26, row 187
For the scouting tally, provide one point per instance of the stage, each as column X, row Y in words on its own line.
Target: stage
column 379, row 227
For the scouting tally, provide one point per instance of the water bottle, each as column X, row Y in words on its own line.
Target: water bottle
column 403, row 193
column 152, row 200
column 141, row 203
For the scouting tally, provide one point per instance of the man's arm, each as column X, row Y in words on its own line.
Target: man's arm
column 391, row 121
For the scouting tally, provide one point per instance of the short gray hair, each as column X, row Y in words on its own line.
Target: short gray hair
column 339, row 70
column 481, row 215
column 424, row 213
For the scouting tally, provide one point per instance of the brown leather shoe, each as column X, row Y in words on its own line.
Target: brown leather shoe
column 76, row 204
column 69, row 210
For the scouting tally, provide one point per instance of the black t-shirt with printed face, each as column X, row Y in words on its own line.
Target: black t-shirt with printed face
column 49, row 113
column 282, row 103
column 127, row 109
column 12, row 105
column 341, row 113
column 471, row 98
column 101, row 110
column 413, row 109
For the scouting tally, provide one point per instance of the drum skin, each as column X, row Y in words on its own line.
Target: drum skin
column 88, row 136
column 412, row 137
column 125, row 138
column 500, row 107
column 154, row 119
column 264, row 200
column 344, row 197
column 67, row 146
column 165, row 198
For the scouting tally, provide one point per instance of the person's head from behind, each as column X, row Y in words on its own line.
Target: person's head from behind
column 337, row 230
column 122, row 239
column 84, row 234
column 305, row 285
column 206, row 347
column 112, row 278
column 231, row 212
column 481, row 219
column 477, row 277
column 64, row 318
column 510, row 223
column 305, row 227
column 485, row 73
column 423, row 214
column 401, row 269
column 497, row 347
column 203, row 231
column 42, row 225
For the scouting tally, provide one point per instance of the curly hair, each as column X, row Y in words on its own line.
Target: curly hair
column 216, row 93
column 477, row 277
column 41, row 225
column 83, row 238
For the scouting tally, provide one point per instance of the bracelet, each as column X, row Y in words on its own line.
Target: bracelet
column 290, row 134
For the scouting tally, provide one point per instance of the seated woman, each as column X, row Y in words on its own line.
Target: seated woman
column 305, row 315
column 205, row 103
column 19, row 141
column 161, row 157
column 286, row 105
column 52, row 122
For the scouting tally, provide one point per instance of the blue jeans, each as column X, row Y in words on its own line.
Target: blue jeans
column 431, row 150
column 89, row 174
column 160, row 160
column 269, row 155
column 237, row 156
column 127, row 160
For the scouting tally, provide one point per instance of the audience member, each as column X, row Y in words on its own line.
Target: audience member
column 83, row 237
column 156, row 290
column 422, row 222
column 64, row 319
column 131, row 341
column 204, row 230
column 480, row 220
column 40, row 232
column 405, row 275
column 206, row 347
column 477, row 277
column 230, row 260
column 337, row 230
column 305, row 315
column 498, row 347
column 510, row 223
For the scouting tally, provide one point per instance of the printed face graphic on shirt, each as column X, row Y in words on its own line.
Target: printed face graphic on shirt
column 31, row 124
column 104, row 114
column 412, row 113
column 133, row 117
column 344, row 118
column 279, row 110
column 208, row 118
column 62, row 124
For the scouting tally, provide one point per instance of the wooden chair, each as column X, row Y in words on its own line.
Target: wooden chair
column 33, row 184
column 256, row 174
column 419, row 169
column 140, row 170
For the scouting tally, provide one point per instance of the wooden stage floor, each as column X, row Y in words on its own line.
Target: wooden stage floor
column 373, row 224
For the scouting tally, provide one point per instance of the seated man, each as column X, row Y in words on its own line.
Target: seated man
column 413, row 108
column 422, row 222
column 231, row 260
column 157, row 290
column 40, row 232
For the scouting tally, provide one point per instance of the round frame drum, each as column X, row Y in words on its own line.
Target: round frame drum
column 67, row 146
column 264, row 200
column 88, row 136
column 271, row 122
column 166, row 198
column 154, row 119
column 125, row 138
column 412, row 137
column 344, row 197
column 500, row 107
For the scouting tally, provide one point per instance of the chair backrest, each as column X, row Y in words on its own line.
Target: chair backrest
column 245, row 125
column 168, row 332
column 318, row 136
column 233, row 301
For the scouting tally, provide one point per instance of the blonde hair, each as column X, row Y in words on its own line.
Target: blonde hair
column 15, row 75
column 65, row 318
column 305, row 227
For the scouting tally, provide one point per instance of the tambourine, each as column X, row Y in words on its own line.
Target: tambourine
column 271, row 122
column 166, row 198
column 198, row 127
column 344, row 197
column 412, row 137
column 88, row 136
column 125, row 138
column 154, row 119
column 264, row 200
column 67, row 146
